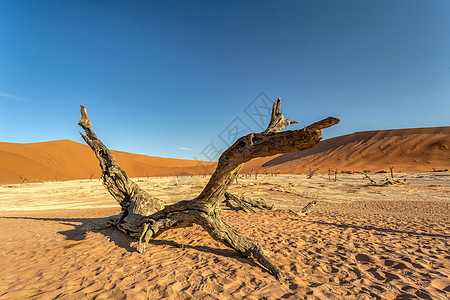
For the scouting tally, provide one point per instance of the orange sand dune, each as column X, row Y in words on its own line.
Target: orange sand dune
column 407, row 150
column 65, row 160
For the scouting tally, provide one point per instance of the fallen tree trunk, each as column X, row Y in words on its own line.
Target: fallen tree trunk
column 387, row 182
column 146, row 217
column 237, row 201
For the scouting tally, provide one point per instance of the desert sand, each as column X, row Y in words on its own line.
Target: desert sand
column 359, row 242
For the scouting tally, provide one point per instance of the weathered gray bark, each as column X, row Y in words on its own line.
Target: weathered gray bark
column 135, row 202
column 237, row 201
column 145, row 216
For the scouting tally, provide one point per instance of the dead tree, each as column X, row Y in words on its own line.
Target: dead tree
column 372, row 182
column 311, row 172
column 386, row 182
column 145, row 217
column 237, row 201
column 24, row 179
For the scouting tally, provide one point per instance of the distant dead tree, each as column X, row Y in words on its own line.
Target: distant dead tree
column 331, row 173
column 145, row 217
column 310, row 172
column 24, row 179
column 439, row 170
column 91, row 175
column 388, row 181
column 372, row 182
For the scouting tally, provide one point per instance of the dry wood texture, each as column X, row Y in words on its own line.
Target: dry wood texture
column 237, row 201
column 146, row 217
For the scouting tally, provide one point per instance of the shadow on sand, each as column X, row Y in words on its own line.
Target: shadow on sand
column 380, row 229
column 120, row 239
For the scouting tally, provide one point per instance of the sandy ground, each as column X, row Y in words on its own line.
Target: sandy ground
column 360, row 242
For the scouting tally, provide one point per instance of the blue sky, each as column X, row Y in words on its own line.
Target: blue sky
column 170, row 78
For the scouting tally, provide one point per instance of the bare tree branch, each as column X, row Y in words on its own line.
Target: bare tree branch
column 135, row 202
column 277, row 121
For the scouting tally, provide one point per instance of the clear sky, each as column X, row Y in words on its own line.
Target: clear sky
column 169, row 78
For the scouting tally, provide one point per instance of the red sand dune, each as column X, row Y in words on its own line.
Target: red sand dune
column 407, row 150
column 66, row 160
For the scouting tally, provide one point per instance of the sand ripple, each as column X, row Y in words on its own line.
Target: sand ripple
column 362, row 249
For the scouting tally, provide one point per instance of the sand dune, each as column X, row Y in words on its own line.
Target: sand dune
column 66, row 160
column 407, row 150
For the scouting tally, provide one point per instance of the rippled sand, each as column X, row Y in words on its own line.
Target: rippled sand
column 359, row 241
